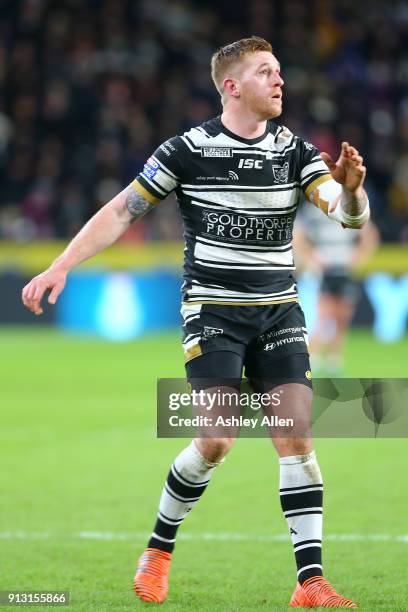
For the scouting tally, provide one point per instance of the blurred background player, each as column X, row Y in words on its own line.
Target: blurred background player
column 331, row 254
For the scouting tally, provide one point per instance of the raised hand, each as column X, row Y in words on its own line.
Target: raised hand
column 348, row 170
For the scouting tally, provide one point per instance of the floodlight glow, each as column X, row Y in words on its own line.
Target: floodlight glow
column 119, row 314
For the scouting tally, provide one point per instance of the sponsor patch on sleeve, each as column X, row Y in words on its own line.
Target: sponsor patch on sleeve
column 150, row 168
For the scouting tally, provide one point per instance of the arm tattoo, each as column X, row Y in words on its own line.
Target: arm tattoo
column 136, row 204
column 353, row 205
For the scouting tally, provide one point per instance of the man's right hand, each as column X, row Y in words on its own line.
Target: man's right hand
column 102, row 230
column 53, row 279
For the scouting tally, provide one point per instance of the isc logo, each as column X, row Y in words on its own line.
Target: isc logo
column 255, row 164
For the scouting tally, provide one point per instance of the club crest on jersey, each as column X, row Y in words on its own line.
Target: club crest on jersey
column 281, row 173
column 216, row 152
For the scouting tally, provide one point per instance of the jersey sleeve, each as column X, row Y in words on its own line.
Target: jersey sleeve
column 316, row 181
column 161, row 173
column 313, row 170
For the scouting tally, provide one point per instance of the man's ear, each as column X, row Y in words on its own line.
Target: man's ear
column 231, row 87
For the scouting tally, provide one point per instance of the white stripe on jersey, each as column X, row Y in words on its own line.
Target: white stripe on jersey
column 210, row 289
column 248, row 200
column 224, row 256
column 317, row 166
column 154, row 185
column 217, row 207
column 243, row 298
column 282, row 247
column 195, row 139
column 223, row 266
column 260, row 188
column 195, row 282
column 273, row 145
column 190, row 146
column 201, row 129
column 166, row 182
column 247, row 151
column 203, row 293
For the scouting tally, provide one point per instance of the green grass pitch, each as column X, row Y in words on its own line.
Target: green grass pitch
column 82, row 471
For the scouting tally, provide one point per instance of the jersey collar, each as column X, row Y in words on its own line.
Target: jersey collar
column 270, row 127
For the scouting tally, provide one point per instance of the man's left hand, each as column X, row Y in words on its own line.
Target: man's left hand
column 348, row 170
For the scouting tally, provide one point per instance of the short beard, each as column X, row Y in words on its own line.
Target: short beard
column 264, row 113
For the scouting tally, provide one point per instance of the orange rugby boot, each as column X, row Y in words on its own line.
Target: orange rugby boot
column 317, row 591
column 151, row 582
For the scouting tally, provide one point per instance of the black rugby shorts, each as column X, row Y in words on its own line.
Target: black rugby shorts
column 267, row 343
column 338, row 283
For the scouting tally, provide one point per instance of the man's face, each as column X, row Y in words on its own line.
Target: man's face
column 260, row 84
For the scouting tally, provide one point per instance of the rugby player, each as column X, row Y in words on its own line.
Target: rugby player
column 332, row 255
column 239, row 179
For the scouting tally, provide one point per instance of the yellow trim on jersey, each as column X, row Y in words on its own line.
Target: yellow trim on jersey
column 265, row 303
column 317, row 182
column 144, row 193
column 191, row 353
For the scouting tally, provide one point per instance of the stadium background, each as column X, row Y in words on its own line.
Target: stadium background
column 88, row 89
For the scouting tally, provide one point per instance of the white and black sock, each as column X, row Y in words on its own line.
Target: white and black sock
column 301, row 495
column 187, row 480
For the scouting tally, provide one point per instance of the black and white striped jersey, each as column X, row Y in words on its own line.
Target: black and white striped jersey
column 238, row 199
